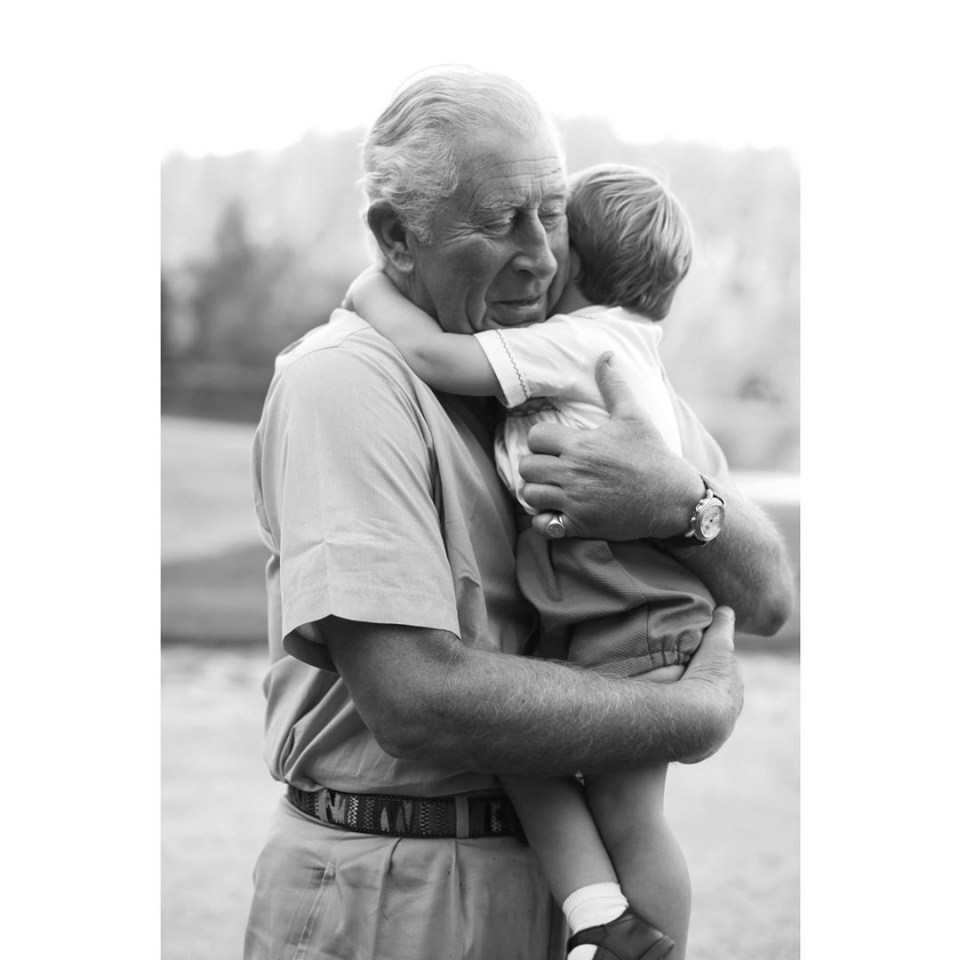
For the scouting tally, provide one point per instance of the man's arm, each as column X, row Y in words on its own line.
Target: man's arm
column 746, row 567
column 426, row 696
column 621, row 482
column 346, row 486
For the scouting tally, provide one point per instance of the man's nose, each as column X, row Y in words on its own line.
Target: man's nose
column 534, row 254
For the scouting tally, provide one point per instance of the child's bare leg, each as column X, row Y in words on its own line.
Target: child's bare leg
column 561, row 832
column 628, row 810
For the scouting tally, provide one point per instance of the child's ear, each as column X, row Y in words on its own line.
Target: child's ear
column 391, row 235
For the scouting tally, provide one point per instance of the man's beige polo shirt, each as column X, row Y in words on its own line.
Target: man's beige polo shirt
column 379, row 502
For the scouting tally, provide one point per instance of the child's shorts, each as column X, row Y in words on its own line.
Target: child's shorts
column 621, row 609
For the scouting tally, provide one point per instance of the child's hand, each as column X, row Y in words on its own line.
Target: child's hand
column 349, row 301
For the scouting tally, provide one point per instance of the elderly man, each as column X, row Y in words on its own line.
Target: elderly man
column 395, row 693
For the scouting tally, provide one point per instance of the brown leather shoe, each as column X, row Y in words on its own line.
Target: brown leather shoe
column 629, row 937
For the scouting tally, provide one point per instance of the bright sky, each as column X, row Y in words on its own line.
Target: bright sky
column 249, row 75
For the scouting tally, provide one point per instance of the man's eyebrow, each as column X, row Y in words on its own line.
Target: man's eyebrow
column 499, row 202
column 495, row 204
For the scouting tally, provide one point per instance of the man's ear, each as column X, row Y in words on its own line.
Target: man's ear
column 391, row 235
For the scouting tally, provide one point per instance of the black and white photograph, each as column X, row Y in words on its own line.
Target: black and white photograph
column 480, row 483
column 495, row 341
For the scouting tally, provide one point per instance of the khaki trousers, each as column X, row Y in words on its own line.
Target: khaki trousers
column 327, row 894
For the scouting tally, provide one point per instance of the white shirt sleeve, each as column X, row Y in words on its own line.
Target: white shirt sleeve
column 543, row 360
column 558, row 358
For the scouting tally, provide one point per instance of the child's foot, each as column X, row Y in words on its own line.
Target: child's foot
column 629, row 937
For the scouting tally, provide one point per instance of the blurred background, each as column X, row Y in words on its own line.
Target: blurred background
column 258, row 247
column 261, row 233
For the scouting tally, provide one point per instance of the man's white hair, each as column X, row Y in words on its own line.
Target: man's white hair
column 409, row 156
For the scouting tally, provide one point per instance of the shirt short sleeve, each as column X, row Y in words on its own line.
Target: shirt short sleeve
column 346, row 488
column 542, row 360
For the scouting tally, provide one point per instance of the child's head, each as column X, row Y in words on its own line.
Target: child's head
column 632, row 236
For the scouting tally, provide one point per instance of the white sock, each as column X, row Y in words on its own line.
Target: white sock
column 590, row 906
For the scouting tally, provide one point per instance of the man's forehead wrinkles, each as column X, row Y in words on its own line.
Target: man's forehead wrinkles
column 519, row 170
column 548, row 159
column 493, row 191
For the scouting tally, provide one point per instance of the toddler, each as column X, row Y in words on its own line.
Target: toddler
column 624, row 609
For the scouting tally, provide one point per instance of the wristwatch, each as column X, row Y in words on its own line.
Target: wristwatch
column 706, row 522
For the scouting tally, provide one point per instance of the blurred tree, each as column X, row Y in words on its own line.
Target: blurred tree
column 233, row 293
column 165, row 318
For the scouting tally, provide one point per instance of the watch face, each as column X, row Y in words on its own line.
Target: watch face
column 711, row 520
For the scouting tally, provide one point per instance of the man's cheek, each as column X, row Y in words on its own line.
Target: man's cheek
column 478, row 311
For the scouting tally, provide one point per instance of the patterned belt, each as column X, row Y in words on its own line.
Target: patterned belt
column 429, row 817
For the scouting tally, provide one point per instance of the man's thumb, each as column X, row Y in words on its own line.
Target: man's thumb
column 724, row 622
column 616, row 390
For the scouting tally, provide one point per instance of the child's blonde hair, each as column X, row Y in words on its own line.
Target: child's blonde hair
column 633, row 238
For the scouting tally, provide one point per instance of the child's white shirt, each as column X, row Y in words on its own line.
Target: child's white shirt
column 557, row 359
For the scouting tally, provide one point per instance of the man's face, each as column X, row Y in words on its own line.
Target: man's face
column 499, row 255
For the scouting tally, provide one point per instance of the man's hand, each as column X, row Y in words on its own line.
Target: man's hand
column 621, row 482
column 715, row 666
column 617, row 482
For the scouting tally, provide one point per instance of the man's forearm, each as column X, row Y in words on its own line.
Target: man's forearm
column 540, row 718
column 746, row 567
column 447, row 704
